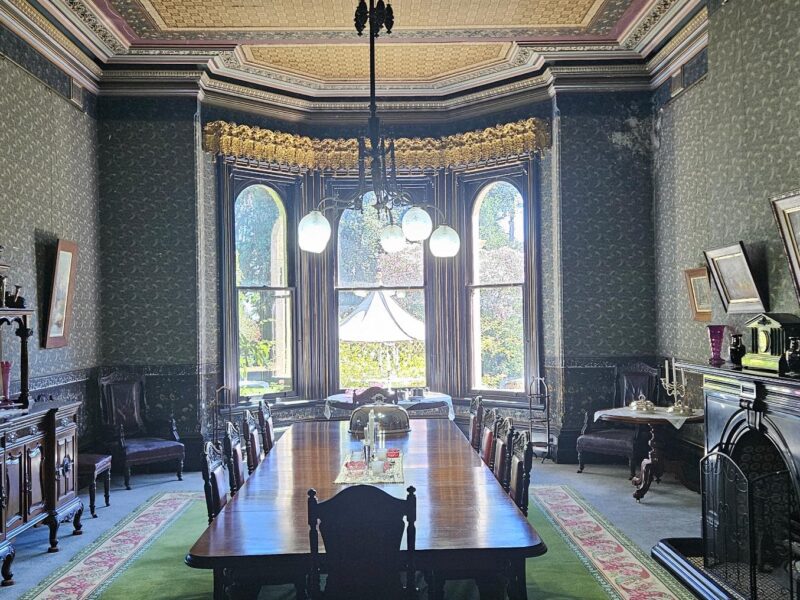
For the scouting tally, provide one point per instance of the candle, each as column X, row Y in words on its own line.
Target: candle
column 674, row 379
column 683, row 378
column 666, row 371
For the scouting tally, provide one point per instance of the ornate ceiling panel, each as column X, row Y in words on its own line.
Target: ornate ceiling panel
column 395, row 62
column 171, row 15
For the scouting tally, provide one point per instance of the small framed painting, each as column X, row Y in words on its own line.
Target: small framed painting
column 699, row 293
column 787, row 213
column 59, row 316
column 734, row 280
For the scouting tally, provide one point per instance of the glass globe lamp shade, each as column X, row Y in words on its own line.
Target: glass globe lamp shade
column 313, row 232
column 417, row 224
column 392, row 239
column 444, row 242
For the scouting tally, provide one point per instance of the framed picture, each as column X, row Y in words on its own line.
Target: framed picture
column 699, row 293
column 787, row 214
column 60, row 315
column 737, row 289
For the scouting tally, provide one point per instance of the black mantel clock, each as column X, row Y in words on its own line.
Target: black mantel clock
column 770, row 339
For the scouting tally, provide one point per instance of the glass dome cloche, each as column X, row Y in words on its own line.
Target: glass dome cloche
column 391, row 419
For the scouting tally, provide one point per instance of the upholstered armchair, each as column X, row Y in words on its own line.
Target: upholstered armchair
column 615, row 439
column 132, row 437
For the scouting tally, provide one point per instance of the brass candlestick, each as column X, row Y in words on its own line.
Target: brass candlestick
column 677, row 391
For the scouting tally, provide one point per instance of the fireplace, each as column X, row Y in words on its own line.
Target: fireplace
column 750, row 544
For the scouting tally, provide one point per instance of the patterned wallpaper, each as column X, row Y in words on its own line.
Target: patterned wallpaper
column 606, row 225
column 49, row 175
column 724, row 148
column 148, row 220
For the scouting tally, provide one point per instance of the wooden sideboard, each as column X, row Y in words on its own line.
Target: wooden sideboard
column 38, row 475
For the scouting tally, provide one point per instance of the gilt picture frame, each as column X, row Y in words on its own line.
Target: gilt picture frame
column 786, row 209
column 699, row 289
column 733, row 278
column 59, row 316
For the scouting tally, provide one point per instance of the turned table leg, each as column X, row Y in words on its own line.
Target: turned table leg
column 92, row 495
column 652, row 466
column 107, row 487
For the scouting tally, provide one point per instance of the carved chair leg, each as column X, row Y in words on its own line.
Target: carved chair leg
column 580, row 462
column 180, row 469
column 107, row 488
column 92, row 494
column 127, row 470
column 8, row 574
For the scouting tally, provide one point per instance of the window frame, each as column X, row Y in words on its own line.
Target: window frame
column 421, row 190
column 235, row 179
column 472, row 184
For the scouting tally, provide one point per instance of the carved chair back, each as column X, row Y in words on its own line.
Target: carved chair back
column 520, row 464
column 122, row 403
column 371, row 395
column 502, row 451
column 235, row 457
column 252, row 438
column 265, row 425
column 213, row 468
column 374, row 518
column 475, row 422
column 637, row 379
column 490, row 418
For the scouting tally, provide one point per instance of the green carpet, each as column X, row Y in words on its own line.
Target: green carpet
column 157, row 569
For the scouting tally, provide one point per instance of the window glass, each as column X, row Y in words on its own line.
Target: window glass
column 498, row 235
column 264, row 315
column 498, row 273
column 260, row 238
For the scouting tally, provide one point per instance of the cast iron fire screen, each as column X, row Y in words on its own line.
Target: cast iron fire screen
column 750, row 527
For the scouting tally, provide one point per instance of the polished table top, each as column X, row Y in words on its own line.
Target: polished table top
column 460, row 505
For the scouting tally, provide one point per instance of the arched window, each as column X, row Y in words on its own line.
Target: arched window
column 498, row 280
column 264, row 320
column 381, row 305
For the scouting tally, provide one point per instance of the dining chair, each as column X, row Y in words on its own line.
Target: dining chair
column 266, row 426
column 475, row 422
column 235, row 457
column 490, row 418
column 362, row 529
column 252, row 439
column 213, row 469
column 520, row 464
column 502, row 452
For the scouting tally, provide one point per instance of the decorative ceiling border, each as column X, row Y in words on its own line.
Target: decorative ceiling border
column 501, row 142
column 696, row 23
column 56, row 40
column 89, row 18
column 646, row 25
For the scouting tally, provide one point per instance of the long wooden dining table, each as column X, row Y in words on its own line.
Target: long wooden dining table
column 466, row 522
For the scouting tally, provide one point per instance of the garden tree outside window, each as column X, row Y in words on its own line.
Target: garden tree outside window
column 496, row 292
column 264, row 318
column 381, row 303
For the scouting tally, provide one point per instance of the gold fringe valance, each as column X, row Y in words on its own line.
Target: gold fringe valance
column 501, row 142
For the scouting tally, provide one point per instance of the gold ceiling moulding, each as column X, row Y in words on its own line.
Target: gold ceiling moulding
column 501, row 142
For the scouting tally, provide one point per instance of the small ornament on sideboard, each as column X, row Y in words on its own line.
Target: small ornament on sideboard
column 793, row 357
column 715, row 335
column 770, row 335
column 736, row 350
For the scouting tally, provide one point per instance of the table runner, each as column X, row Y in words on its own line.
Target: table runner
column 394, row 474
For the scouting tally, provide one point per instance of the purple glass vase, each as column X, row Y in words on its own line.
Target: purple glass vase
column 715, row 336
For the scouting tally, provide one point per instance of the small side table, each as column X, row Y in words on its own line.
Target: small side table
column 94, row 465
column 653, row 465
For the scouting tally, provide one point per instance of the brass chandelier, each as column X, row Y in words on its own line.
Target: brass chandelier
column 314, row 230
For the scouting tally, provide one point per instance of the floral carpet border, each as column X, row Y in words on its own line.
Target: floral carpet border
column 96, row 566
column 623, row 570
